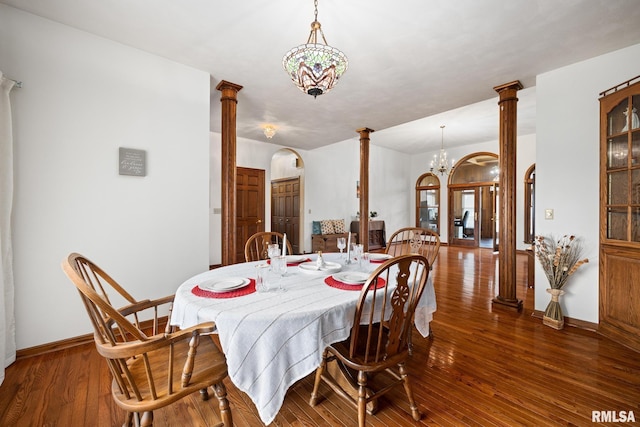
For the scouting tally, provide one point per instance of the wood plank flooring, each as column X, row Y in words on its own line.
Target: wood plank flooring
column 483, row 367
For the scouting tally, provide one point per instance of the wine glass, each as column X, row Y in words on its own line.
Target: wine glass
column 279, row 264
column 342, row 243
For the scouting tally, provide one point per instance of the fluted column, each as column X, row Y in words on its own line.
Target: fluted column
column 363, row 232
column 229, row 101
column 507, row 236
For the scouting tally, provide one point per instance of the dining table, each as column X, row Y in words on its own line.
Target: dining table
column 272, row 338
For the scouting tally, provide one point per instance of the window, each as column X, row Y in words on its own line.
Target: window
column 428, row 202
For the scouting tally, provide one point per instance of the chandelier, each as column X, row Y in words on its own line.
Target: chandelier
column 315, row 67
column 440, row 164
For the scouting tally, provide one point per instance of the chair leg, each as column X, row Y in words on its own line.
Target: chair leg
column 314, row 394
column 147, row 419
column 410, row 341
column 415, row 412
column 362, row 398
column 223, row 404
column 128, row 421
column 204, row 394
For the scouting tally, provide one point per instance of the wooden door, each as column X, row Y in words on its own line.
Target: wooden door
column 285, row 210
column 249, row 207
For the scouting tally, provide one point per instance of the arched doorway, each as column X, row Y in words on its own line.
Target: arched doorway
column 428, row 202
column 287, row 196
column 473, row 201
column 530, row 204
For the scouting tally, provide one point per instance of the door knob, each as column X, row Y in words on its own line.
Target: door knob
column 259, row 221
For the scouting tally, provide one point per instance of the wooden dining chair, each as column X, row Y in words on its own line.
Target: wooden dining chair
column 378, row 342
column 256, row 247
column 151, row 368
column 415, row 240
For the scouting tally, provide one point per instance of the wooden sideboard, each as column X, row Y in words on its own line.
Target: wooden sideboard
column 377, row 234
column 329, row 242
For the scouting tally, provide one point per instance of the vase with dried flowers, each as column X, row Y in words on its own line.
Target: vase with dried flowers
column 559, row 259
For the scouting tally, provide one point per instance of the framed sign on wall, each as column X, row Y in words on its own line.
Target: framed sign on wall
column 132, row 162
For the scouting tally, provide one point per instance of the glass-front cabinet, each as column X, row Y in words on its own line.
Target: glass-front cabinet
column 428, row 202
column 620, row 212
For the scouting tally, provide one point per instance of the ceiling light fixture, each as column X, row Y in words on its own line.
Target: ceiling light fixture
column 269, row 131
column 440, row 164
column 315, row 67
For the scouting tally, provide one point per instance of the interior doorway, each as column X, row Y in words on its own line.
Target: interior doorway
column 473, row 201
column 287, row 197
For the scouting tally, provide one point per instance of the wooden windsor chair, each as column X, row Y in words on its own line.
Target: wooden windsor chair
column 256, row 247
column 378, row 342
column 141, row 356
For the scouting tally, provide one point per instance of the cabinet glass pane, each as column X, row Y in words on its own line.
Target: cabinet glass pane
column 635, row 187
column 635, row 148
column 635, row 225
column 616, row 119
column 617, row 152
column 618, row 188
column 617, row 224
column 635, row 121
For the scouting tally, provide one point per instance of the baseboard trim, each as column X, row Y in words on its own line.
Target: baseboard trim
column 54, row 346
column 74, row 341
column 568, row 321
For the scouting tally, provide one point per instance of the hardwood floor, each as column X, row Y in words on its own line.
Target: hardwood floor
column 483, row 367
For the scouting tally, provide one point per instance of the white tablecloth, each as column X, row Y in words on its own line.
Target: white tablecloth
column 273, row 339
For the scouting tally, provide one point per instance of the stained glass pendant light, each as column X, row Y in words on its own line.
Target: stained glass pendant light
column 315, row 67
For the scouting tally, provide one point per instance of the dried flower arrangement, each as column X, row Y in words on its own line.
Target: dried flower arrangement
column 559, row 258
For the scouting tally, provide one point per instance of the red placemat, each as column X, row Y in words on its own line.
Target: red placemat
column 293, row 264
column 346, row 287
column 249, row 289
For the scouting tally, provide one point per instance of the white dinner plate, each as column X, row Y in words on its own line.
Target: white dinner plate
column 311, row 267
column 293, row 259
column 379, row 257
column 351, row 277
column 224, row 284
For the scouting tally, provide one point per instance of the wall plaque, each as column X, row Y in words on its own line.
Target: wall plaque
column 132, row 162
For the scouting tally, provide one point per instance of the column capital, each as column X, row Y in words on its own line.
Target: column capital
column 514, row 85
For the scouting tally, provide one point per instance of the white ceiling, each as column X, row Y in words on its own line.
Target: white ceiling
column 413, row 64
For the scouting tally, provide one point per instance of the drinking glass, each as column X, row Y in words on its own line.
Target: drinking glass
column 279, row 265
column 342, row 243
column 357, row 254
column 273, row 250
column 261, row 277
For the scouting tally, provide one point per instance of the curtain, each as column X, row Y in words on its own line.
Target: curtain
column 7, row 318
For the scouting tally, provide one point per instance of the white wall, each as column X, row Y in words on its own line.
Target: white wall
column 567, row 169
column 83, row 98
column 331, row 176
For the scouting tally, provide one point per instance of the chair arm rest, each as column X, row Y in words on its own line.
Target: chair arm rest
column 135, row 348
column 144, row 304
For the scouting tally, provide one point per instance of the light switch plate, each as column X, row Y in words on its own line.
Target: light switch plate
column 548, row 214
